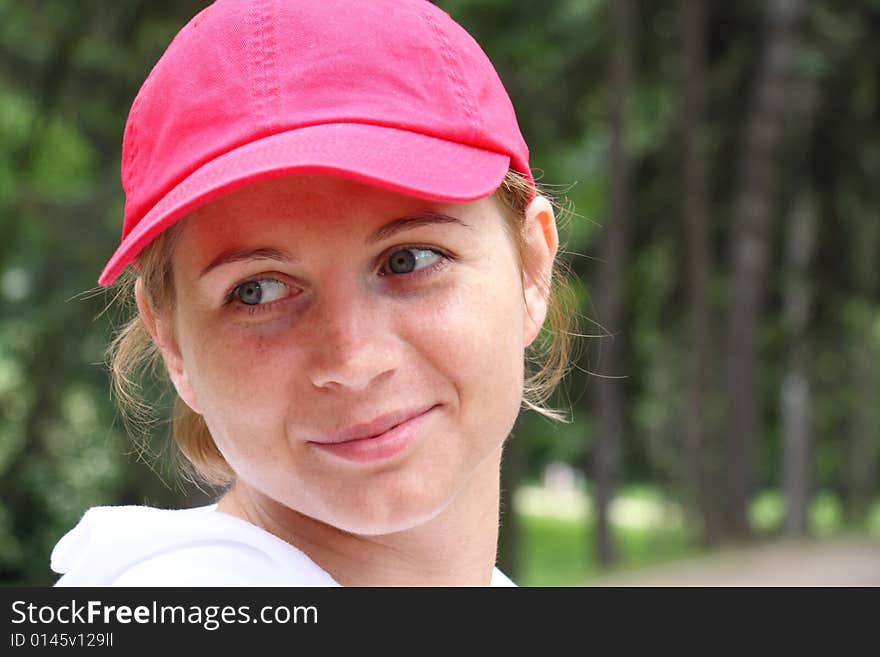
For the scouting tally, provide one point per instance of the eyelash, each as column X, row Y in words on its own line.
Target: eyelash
column 231, row 299
column 238, row 306
column 444, row 260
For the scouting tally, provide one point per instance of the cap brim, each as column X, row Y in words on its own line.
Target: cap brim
column 397, row 160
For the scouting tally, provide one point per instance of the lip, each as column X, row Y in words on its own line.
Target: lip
column 374, row 428
column 378, row 439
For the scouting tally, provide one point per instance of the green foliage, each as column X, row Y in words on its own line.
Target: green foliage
column 69, row 71
column 66, row 79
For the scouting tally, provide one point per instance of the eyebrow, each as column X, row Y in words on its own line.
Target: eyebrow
column 243, row 255
column 384, row 232
column 406, row 223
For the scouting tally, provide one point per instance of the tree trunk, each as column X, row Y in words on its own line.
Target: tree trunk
column 862, row 459
column 699, row 495
column 610, row 285
column 797, row 457
column 750, row 238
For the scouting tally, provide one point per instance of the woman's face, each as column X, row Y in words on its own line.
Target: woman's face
column 356, row 354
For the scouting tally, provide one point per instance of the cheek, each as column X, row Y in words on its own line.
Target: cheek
column 238, row 379
column 472, row 335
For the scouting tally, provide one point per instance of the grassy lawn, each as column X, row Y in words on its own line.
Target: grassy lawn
column 558, row 531
column 558, row 535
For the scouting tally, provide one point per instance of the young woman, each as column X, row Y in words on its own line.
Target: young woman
column 339, row 253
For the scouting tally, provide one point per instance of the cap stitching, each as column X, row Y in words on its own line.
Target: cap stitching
column 264, row 88
column 452, row 72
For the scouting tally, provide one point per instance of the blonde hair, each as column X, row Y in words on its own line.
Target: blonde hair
column 133, row 353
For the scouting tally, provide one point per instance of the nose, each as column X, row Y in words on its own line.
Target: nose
column 354, row 343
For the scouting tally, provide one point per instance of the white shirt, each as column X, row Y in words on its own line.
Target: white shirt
column 145, row 546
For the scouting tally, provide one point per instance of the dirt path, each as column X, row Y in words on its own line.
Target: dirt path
column 841, row 562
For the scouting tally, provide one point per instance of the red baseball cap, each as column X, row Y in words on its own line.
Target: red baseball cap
column 392, row 93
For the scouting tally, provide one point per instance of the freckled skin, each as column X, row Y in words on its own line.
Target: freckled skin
column 348, row 344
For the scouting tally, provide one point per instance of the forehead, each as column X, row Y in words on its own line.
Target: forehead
column 316, row 206
column 299, row 197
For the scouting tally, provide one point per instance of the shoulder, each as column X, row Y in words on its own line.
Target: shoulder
column 208, row 564
column 144, row 546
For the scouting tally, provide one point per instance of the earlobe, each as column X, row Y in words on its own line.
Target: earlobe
column 162, row 331
column 541, row 243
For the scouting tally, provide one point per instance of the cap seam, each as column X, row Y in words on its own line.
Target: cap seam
column 452, row 73
column 264, row 76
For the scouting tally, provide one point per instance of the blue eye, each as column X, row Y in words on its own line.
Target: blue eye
column 266, row 290
column 410, row 259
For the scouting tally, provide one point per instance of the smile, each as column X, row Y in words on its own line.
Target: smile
column 380, row 439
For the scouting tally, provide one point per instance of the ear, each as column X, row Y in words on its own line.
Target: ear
column 541, row 243
column 161, row 328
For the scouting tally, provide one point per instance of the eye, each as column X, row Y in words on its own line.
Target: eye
column 410, row 259
column 264, row 290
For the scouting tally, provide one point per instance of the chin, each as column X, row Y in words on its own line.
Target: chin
column 374, row 518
